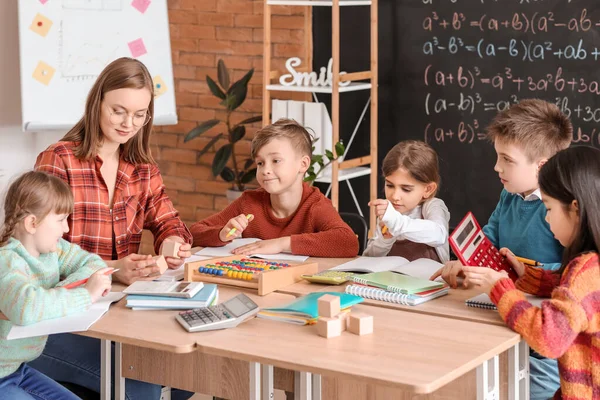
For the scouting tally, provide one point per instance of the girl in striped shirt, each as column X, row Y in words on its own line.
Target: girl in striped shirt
column 33, row 259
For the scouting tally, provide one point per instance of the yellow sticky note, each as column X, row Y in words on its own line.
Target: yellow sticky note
column 159, row 86
column 43, row 73
column 41, row 25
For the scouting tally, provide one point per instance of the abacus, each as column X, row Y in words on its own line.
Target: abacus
column 264, row 275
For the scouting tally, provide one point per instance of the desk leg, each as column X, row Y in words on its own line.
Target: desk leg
column 316, row 387
column 266, row 375
column 302, row 386
column 105, row 366
column 518, row 372
column 254, row 381
column 119, row 380
column 488, row 380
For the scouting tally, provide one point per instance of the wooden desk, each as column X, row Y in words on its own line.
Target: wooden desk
column 449, row 306
column 155, row 330
column 408, row 351
column 418, row 356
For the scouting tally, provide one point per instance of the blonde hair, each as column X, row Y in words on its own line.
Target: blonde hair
column 123, row 73
column 418, row 158
column 284, row 128
column 36, row 193
column 539, row 127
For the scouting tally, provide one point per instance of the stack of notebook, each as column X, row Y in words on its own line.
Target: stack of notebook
column 394, row 287
column 206, row 297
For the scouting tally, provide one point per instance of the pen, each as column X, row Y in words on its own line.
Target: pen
column 232, row 231
column 80, row 282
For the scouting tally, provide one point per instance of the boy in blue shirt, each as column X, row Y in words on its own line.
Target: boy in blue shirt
column 525, row 136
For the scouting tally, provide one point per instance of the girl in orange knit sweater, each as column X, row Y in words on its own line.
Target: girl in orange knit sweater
column 567, row 326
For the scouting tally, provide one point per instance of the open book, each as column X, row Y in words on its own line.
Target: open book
column 422, row 268
column 235, row 243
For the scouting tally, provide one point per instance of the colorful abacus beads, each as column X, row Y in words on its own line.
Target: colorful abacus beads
column 240, row 269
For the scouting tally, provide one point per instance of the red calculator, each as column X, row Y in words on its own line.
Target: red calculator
column 473, row 248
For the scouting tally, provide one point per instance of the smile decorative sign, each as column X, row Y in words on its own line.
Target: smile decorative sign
column 295, row 78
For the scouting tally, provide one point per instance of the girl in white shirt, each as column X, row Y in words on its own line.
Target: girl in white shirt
column 412, row 223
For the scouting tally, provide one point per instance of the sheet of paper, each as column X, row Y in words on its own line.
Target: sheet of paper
column 172, row 275
column 73, row 323
column 235, row 243
column 225, row 250
column 422, row 268
column 371, row 264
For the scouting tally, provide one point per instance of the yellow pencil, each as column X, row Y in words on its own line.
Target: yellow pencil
column 527, row 261
column 233, row 230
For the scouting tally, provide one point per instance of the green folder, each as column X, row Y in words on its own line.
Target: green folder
column 395, row 282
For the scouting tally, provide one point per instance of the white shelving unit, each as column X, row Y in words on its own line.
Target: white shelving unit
column 347, row 169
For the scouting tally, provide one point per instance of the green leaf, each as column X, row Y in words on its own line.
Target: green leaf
column 340, row 149
column 239, row 131
column 329, row 155
column 209, row 144
column 229, row 101
column 310, row 177
column 223, row 75
column 239, row 90
column 227, row 174
column 248, row 176
column 200, row 129
column 250, row 120
column 248, row 163
column 216, row 90
column 317, row 158
column 221, row 157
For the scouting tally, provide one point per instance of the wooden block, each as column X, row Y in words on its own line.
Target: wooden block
column 161, row 262
column 360, row 324
column 170, row 248
column 329, row 306
column 329, row 327
column 345, row 318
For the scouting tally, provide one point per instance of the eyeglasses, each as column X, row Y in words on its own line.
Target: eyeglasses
column 120, row 117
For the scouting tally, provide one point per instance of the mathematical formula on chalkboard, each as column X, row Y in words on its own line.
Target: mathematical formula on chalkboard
column 478, row 60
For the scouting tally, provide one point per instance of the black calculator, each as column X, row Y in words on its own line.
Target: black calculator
column 225, row 315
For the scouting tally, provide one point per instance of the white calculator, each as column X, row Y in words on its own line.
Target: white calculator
column 225, row 315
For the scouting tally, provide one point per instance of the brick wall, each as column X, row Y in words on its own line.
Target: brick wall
column 202, row 32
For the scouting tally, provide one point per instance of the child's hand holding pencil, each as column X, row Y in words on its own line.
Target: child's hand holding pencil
column 234, row 227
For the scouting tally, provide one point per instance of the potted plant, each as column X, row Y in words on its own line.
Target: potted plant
column 232, row 96
column 322, row 161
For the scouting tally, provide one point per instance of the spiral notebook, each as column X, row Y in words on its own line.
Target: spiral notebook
column 484, row 301
column 368, row 292
column 395, row 282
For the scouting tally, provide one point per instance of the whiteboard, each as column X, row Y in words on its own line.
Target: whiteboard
column 65, row 44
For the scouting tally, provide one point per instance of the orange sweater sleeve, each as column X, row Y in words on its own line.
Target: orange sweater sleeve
column 538, row 281
column 552, row 328
column 206, row 232
column 333, row 237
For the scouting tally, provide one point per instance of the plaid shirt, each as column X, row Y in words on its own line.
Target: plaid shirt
column 139, row 202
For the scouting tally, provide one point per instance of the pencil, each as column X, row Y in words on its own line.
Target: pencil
column 233, row 230
column 527, row 261
column 80, row 282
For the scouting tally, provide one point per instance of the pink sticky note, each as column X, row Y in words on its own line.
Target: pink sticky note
column 43, row 1
column 137, row 48
column 141, row 5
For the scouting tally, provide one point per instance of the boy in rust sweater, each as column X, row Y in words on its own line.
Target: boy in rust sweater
column 289, row 215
